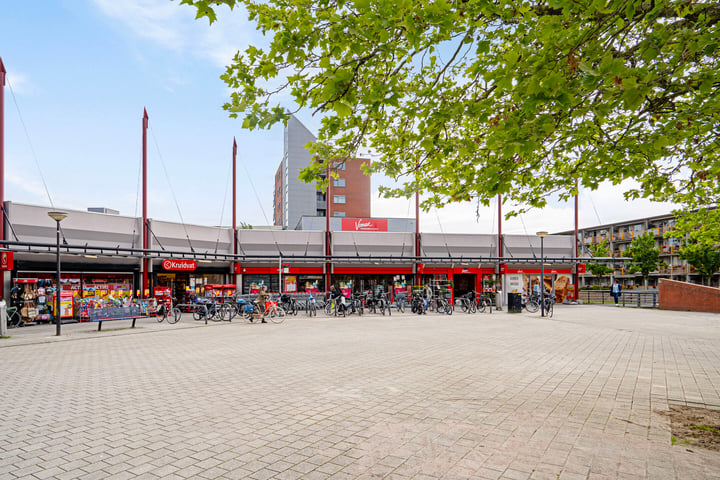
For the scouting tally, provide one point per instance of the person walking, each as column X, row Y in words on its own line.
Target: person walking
column 616, row 291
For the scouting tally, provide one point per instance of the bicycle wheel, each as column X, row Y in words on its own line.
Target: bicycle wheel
column 549, row 309
column 487, row 304
column 175, row 316
column 472, row 308
column 532, row 306
column 277, row 315
column 198, row 313
column 401, row 306
column 161, row 314
column 465, row 305
column 216, row 313
column 14, row 320
column 329, row 308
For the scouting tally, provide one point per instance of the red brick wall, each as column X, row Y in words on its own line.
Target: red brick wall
column 356, row 190
column 277, row 197
column 684, row 296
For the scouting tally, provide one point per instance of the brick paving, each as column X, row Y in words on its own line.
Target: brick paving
column 501, row 396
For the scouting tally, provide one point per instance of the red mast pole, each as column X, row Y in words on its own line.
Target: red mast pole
column 2, row 153
column 417, row 238
column 577, row 277
column 234, row 221
column 2, row 164
column 144, row 190
column 328, row 265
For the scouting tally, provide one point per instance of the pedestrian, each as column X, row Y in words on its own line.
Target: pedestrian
column 427, row 294
column 616, row 291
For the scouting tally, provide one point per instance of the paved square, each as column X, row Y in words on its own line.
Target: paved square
column 479, row 396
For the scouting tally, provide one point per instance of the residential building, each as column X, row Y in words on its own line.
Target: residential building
column 349, row 189
column 619, row 236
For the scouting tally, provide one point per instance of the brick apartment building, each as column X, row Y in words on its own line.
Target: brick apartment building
column 349, row 193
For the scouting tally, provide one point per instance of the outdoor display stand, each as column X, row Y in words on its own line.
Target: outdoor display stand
column 163, row 295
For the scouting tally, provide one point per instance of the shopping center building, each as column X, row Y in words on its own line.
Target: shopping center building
column 101, row 255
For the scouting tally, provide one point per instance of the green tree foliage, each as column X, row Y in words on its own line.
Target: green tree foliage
column 704, row 257
column 646, row 257
column 697, row 226
column 599, row 250
column 467, row 99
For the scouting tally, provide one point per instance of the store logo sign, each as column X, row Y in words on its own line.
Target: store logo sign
column 365, row 224
column 179, row 265
column 6, row 261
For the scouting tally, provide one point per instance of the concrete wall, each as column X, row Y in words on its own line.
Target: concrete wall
column 690, row 297
column 32, row 224
column 299, row 198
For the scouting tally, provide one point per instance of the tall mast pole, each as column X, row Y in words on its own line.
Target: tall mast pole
column 144, row 208
column 2, row 165
column 328, row 265
column 234, row 196
column 576, row 280
column 500, row 249
column 417, row 238
column 234, row 214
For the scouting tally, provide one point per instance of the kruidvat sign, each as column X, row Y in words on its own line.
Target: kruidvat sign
column 365, row 224
column 179, row 265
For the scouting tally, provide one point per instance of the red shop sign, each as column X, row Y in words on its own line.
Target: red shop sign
column 179, row 265
column 6, row 261
column 580, row 268
column 365, row 224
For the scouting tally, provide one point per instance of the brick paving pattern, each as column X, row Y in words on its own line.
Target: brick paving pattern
column 501, row 396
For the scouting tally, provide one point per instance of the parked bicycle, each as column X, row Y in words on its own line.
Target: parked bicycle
column 311, row 306
column 417, row 304
column 289, row 304
column 443, row 305
column 162, row 313
column 13, row 318
column 483, row 303
column 467, row 303
column 335, row 307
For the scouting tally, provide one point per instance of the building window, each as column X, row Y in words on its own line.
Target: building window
column 338, row 214
column 320, row 196
column 339, row 182
column 321, row 213
column 339, row 165
column 338, row 198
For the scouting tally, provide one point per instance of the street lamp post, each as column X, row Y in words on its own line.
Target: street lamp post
column 57, row 216
column 542, row 236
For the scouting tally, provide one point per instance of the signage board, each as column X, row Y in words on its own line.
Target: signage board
column 179, row 265
column 6, row 261
column 365, row 224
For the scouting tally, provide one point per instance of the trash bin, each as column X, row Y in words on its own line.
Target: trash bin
column 514, row 303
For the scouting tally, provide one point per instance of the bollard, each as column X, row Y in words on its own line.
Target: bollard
column 3, row 319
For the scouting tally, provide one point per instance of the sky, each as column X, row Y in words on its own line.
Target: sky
column 80, row 73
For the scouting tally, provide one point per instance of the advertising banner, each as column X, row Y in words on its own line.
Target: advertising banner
column 365, row 224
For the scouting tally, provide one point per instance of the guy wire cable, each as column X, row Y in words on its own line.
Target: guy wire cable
column 172, row 191
column 137, row 196
column 34, row 155
column 257, row 197
column 222, row 210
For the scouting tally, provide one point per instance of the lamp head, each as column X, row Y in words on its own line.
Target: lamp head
column 57, row 216
column 541, row 234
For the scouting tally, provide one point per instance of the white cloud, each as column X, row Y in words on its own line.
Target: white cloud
column 173, row 26
column 19, row 82
column 607, row 201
